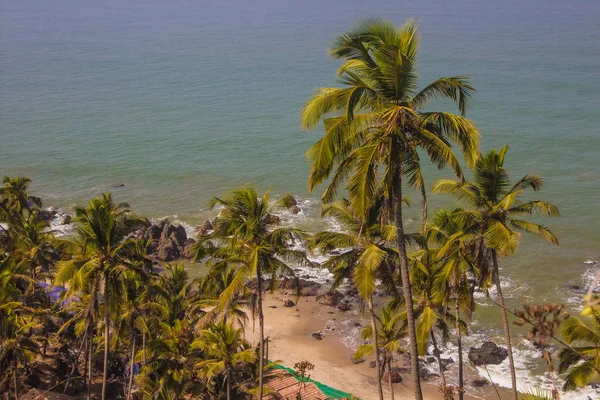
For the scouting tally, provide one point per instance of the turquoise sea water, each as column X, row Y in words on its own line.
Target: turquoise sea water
column 183, row 100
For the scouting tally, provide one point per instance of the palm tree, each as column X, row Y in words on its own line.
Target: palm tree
column 455, row 259
column 17, row 345
column 587, row 338
column 169, row 374
column 224, row 349
column 245, row 236
column 495, row 205
column 103, row 257
column 388, row 337
column 377, row 121
column 366, row 258
column 14, row 194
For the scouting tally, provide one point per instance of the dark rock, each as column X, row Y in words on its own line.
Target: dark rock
column 357, row 361
column 66, row 220
column 118, row 185
column 289, row 303
column 447, row 361
column 488, row 353
column 317, row 335
column 294, row 209
column 479, row 382
column 573, row 287
column 176, row 233
column 47, row 215
column 272, row 306
column 153, row 232
column 344, row 306
column 168, row 250
column 395, row 375
column 205, row 228
column 431, row 360
column 357, row 324
column 272, row 219
column 372, row 364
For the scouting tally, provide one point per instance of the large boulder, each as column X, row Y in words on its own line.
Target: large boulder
column 168, row 250
column 488, row 353
column 395, row 375
column 176, row 233
column 153, row 232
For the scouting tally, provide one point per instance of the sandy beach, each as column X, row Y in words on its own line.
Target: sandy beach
column 289, row 330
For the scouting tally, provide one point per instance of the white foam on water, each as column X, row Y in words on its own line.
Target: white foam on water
column 57, row 227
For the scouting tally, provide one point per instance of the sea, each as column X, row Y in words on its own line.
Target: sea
column 168, row 103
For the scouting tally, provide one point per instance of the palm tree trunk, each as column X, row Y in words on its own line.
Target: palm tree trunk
column 90, row 355
column 404, row 273
column 261, row 327
column 438, row 355
column 228, row 387
column 511, row 363
column 389, row 361
column 376, row 345
column 15, row 380
column 459, row 344
column 131, row 366
column 106, row 337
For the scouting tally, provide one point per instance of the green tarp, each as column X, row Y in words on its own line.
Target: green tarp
column 328, row 391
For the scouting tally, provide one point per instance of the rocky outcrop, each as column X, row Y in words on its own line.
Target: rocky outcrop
column 488, row 353
column 167, row 241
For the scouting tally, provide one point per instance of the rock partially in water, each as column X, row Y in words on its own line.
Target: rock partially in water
column 168, row 250
column 272, row 219
column 294, row 210
column 205, row 228
column 488, row 353
column 66, row 220
column 479, row 382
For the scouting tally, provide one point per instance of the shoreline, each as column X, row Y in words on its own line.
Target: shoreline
column 289, row 331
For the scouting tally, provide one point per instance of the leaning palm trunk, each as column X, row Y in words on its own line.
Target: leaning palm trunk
column 131, row 366
column 511, row 362
column 261, row 327
column 438, row 355
column 106, row 338
column 410, row 319
column 459, row 344
column 376, row 346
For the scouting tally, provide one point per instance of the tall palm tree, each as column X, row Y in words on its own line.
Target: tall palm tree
column 103, row 256
column 377, row 121
column 495, row 205
column 367, row 256
column 245, row 236
column 224, row 349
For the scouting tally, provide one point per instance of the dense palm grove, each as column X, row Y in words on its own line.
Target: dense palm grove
column 94, row 311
